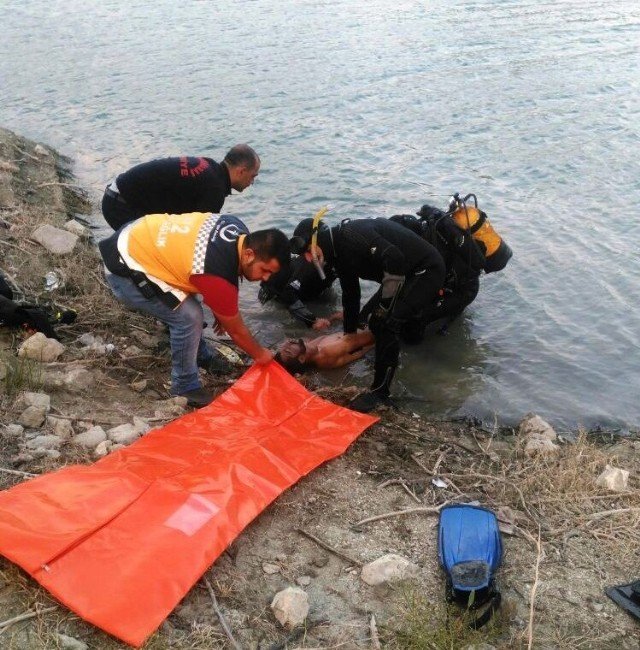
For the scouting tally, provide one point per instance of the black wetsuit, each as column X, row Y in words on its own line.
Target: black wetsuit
column 167, row 185
column 295, row 286
column 368, row 249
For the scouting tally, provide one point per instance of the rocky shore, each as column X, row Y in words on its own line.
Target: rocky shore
column 347, row 558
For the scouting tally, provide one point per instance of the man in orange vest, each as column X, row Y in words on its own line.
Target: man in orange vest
column 158, row 263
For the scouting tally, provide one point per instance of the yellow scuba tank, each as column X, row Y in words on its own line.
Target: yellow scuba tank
column 474, row 221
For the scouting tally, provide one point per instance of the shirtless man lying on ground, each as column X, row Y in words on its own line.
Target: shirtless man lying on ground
column 324, row 352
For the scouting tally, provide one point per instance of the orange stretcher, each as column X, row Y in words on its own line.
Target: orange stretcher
column 120, row 542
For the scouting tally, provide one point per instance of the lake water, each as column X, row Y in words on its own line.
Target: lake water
column 375, row 107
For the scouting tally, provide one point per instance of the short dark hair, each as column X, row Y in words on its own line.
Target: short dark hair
column 270, row 243
column 288, row 359
column 242, row 155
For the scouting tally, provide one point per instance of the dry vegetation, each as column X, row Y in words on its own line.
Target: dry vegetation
column 566, row 539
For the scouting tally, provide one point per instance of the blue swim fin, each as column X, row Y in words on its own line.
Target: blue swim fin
column 470, row 550
column 627, row 596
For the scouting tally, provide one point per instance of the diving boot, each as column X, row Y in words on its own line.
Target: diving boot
column 378, row 395
column 370, row 400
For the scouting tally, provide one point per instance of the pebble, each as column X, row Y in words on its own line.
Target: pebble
column 290, row 606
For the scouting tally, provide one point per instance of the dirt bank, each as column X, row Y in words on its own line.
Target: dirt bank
column 553, row 588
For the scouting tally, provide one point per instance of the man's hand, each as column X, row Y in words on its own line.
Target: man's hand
column 264, row 357
column 321, row 324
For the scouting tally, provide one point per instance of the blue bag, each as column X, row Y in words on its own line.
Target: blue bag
column 470, row 550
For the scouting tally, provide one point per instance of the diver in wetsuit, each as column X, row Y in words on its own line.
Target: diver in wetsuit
column 410, row 270
column 293, row 288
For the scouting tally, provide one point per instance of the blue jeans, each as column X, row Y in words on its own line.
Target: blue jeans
column 185, row 323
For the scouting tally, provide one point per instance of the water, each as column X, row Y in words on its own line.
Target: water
column 375, row 107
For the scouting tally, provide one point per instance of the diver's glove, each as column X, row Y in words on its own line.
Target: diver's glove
column 380, row 315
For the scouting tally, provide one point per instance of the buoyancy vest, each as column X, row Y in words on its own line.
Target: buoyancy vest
column 169, row 249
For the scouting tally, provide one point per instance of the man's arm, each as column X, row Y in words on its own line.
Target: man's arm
column 222, row 298
column 239, row 332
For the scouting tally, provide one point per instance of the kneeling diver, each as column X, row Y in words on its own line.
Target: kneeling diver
column 410, row 270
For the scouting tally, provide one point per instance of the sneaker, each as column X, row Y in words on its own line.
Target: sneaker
column 368, row 401
column 198, row 397
column 216, row 365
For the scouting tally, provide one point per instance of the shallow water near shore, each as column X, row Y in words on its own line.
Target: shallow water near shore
column 375, row 108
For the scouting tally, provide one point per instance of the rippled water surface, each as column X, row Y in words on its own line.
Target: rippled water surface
column 376, row 107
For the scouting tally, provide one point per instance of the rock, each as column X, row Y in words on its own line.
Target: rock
column 90, row 438
column 303, row 581
column 79, row 380
column 69, row 643
column 270, row 569
column 144, row 339
column 39, row 400
column 481, row 646
column 20, row 459
column 55, row 240
column 3, row 370
column 139, row 385
column 45, row 442
column 132, row 351
column 613, row 479
column 124, row 434
column 535, row 426
column 76, row 228
column 51, row 454
column 141, row 425
column 61, row 427
column 41, row 150
column 87, row 340
column 6, row 166
column 13, row 430
column 320, row 561
column 540, row 446
column 32, row 417
column 52, row 380
column 388, row 568
column 290, row 606
column 102, row 449
column 40, row 348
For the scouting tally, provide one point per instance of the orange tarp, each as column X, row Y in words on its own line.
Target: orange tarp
column 120, row 542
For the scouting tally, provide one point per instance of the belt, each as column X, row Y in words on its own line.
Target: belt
column 114, row 195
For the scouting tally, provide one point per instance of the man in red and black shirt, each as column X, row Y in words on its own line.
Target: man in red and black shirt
column 178, row 185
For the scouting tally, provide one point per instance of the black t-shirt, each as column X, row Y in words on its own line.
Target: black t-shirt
column 175, row 186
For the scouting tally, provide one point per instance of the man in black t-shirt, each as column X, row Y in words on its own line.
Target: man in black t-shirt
column 178, row 185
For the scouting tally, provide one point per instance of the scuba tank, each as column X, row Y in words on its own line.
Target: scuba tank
column 470, row 219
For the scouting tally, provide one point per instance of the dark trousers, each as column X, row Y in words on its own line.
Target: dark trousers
column 416, row 297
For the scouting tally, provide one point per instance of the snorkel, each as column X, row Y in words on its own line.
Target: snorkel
column 314, row 241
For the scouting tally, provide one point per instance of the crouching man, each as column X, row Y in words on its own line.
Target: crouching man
column 158, row 263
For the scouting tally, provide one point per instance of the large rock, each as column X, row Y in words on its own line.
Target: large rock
column 13, row 431
column 76, row 228
column 55, row 240
column 614, row 479
column 79, row 380
column 535, row 426
column 538, row 435
column 40, row 348
column 388, row 568
column 45, row 442
column 32, row 417
column 61, row 427
column 124, row 434
column 290, row 606
column 90, row 438
column 39, row 400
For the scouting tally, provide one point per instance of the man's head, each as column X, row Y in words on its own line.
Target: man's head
column 243, row 164
column 264, row 252
column 301, row 242
column 291, row 355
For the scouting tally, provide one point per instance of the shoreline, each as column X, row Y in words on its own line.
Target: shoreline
column 390, row 467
